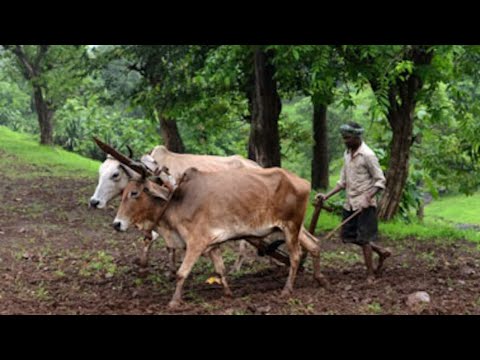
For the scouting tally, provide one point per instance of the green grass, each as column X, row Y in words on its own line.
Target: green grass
column 430, row 229
column 47, row 160
column 456, row 208
column 326, row 220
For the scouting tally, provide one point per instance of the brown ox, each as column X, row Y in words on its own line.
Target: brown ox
column 207, row 209
column 176, row 163
column 160, row 157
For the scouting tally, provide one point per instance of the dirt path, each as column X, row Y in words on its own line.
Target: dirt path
column 59, row 257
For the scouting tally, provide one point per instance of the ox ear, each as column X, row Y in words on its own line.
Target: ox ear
column 156, row 190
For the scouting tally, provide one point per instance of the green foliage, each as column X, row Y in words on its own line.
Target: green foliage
column 15, row 108
column 60, row 69
column 214, row 128
column 79, row 121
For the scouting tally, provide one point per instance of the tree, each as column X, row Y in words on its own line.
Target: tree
column 53, row 72
column 264, row 143
column 397, row 75
column 166, row 88
column 313, row 71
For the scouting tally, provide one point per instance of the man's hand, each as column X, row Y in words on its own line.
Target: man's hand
column 321, row 197
column 366, row 201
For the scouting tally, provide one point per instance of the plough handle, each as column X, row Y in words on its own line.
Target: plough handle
column 316, row 214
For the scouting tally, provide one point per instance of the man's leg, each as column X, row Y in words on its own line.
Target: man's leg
column 367, row 234
column 367, row 254
column 383, row 253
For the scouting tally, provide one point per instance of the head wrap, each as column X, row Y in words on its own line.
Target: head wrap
column 350, row 130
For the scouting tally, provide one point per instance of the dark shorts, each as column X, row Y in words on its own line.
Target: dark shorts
column 362, row 229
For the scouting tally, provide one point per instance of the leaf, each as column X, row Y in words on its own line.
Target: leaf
column 295, row 53
column 213, row 280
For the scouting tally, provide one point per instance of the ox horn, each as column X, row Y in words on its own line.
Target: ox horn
column 130, row 152
column 134, row 165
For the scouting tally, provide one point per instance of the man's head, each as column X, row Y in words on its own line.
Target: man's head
column 352, row 135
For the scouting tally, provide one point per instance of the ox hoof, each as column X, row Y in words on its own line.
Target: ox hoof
column 170, row 275
column 142, row 272
column 370, row 280
column 140, row 262
column 323, row 282
column 286, row 293
column 174, row 304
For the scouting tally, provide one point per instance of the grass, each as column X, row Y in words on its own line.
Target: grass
column 101, row 264
column 48, row 160
column 456, row 208
column 430, row 229
column 341, row 257
column 374, row 308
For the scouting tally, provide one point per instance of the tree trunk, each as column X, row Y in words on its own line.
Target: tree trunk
column 397, row 174
column 250, row 92
column 31, row 69
column 320, row 147
column 264, row 142
column 402, row 101
column 45, row 117
column 170, row 135
column 421, row 211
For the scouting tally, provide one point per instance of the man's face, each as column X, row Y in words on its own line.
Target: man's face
column 351, row 141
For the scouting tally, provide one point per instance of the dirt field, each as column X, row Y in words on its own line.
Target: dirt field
column 59, row 257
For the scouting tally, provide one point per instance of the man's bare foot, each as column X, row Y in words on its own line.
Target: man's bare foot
column 370, row 279
column 381, row 258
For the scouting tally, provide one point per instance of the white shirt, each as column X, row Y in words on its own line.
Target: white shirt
column 361, row 172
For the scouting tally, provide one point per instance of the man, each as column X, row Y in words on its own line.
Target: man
column 362, row 178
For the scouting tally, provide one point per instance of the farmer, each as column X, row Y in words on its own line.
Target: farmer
column 362, row 178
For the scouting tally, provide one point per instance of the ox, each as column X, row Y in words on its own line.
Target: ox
column 165, row 157
column 207, row 209
column 113, row 178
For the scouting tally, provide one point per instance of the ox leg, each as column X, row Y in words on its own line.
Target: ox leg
column 172, row 263
column 191, row 256
column 147, row 245
column 293, row 244
column 314, row 249
column 242, row 252
column 217, row 260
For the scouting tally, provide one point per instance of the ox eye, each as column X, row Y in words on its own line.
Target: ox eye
column 134, row 194
column 115, row 176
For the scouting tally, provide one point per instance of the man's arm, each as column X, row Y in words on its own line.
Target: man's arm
column 339, row 187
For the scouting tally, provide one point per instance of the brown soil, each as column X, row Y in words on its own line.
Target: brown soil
column 59, row 257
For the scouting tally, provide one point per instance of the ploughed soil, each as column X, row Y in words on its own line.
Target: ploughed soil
column 57, row 256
